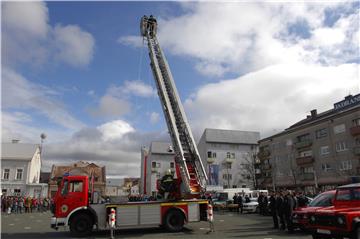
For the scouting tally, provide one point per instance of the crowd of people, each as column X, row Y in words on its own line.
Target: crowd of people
column 281, row 206
column 19, row 204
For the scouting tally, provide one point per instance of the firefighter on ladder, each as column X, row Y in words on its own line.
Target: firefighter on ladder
column 167, row 186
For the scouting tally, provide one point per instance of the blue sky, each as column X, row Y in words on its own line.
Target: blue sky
column 78, row 71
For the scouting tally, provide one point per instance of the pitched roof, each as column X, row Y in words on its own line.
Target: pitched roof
column 18, row 151
column 231, row 136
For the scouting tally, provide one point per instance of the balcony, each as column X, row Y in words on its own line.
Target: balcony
column 355, row 130
column 303, row 144
column 306, row 176
column 210, row 160
column 266, row 167
column 304, row 160
column 229, row 160
column 356, row 150
column 263, row 154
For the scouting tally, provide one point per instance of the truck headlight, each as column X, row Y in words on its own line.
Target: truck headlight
column 341, row 220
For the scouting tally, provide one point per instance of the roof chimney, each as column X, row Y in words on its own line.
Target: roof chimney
column 15, row 141
column 313, row 113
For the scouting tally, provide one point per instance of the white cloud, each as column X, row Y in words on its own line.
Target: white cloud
column 27, row 37
column 115, row 129
column 138, row 88
column 272, row 98
column 19, row 93
column 28, row 18
column 242, row 37
column 135, row 41
column 111, row 106
column 74, row 46
column 154, row 117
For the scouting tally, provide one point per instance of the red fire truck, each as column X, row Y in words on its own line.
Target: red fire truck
column 340, row 220
column 76, row 206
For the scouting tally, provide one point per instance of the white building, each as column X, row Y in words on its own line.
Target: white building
column 154, row 163
column 20, row 166
column 226, row 155
column 114, row 187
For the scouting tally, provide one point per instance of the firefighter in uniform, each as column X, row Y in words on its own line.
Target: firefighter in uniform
column 167, row 186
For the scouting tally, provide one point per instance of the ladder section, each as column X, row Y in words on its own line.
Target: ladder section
column 187, row 156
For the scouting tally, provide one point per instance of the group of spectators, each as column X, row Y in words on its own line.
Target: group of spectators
column 281, row 206
column 18, row 204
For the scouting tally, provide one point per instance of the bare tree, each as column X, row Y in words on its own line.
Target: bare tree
column 248, row 168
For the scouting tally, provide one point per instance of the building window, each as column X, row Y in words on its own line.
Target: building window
column 356, row 122
column 6, row 173
column 172, row 165
column 158, row 165
column 306, row 153
column 228, row 155
column 214, row 154
column 227, row 176
column 17, row 192
column 345, row 165
column 326, row 167
column 324, row 150
column 232, row 155
column 19, row 173
column 321, row 133
column 209, row 154
column 338, row 129
column 153, row 164
column 304, row 137
column 3, row 191
column 308, row 169
column 341, row 146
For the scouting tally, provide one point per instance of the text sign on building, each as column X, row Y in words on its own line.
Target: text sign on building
column 349, row 100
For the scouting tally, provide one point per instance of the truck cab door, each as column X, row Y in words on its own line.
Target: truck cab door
column 73, row 195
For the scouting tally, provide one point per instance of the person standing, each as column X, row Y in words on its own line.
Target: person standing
column 167, row 186
column 235, row 201
column 260, row 204
column 289, row 206
column 240, row 203
column 280, row 209
column 273, row 210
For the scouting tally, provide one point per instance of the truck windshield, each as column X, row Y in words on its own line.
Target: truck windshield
column 348, row 194
column 322, row 200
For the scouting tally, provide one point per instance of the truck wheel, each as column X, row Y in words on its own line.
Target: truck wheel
column 81, row 225
column 174, row 221
column 317, row 236
column 356, row 233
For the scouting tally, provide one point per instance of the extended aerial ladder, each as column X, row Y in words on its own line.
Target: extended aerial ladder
column 187, row 157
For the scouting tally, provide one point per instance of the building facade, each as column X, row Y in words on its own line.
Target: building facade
column 155, row 161
column 229, row 157
column 20, row 166
column 317, row 153
column 78, row 168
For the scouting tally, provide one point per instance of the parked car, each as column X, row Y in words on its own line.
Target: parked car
column 300, row 214
column 340, row 220
column 252, row 206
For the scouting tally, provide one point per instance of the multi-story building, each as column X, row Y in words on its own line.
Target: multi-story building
column 20, row 165
column 155, row 161
column 316, row 153
column 79, row 168
column 229, row 157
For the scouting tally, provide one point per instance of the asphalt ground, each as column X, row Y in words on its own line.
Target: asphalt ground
column 227, row 225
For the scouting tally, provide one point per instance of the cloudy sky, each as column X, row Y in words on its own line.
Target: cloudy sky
column 79, row 71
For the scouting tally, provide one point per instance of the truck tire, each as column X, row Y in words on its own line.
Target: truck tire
column 356, row 233
column 174, row 221
column 316, row 236
column 81, row 225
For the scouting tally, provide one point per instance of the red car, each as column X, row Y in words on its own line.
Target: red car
column 340, row 220
column 300, row 214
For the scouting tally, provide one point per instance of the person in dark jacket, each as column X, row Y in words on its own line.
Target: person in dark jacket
column 261, row 203
column 273, row 211
column 289, row 203
column 167, row 185
column 240, row 203
column 280, row 209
